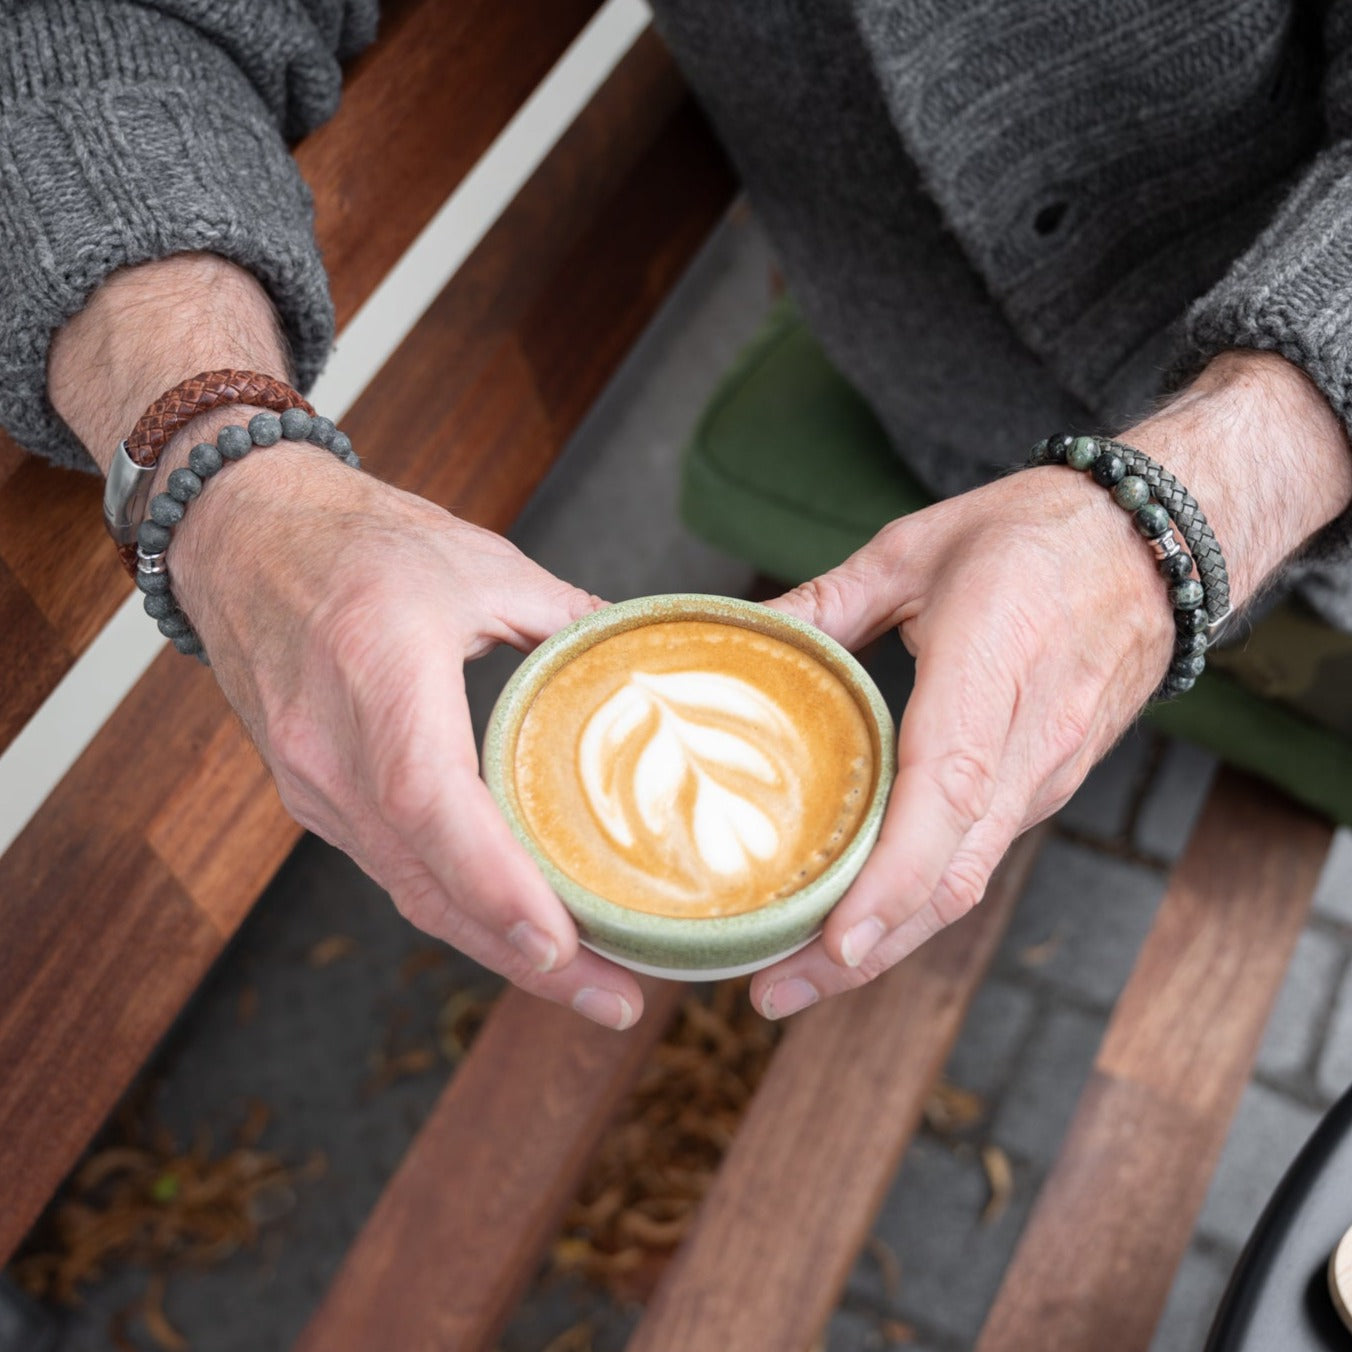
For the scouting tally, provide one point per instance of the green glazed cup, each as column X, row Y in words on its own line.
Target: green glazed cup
column 669, row 946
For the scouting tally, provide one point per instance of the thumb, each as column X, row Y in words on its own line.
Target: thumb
column 861, row 598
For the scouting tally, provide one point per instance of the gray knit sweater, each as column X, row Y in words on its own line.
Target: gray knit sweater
column 1001, row 217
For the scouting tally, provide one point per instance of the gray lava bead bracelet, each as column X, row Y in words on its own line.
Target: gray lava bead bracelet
column 1159, row 502
column 205, row 460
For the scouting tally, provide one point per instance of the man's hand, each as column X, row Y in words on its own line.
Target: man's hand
column 338, row 613
column 1040, row 627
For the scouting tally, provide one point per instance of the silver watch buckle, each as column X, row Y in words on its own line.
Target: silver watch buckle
column 126, row 495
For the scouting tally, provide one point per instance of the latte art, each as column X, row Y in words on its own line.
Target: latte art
column 693, row 726
column 693, row 768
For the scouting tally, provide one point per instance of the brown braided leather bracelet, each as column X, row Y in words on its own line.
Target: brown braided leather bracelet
column 127, row 490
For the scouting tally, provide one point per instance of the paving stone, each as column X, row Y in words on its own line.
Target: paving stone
column 1333, row 898
column 951, row 1264
column 853, row 1331
column 1081, row 921
column 1335, row 1062
column 983, row 1057
column 1267, row 1132
column 1101, row 806
column 1039, row 1104
column 1297, row 1018
column 24, row 1325
column 1197, row 1290
column 1174, row 800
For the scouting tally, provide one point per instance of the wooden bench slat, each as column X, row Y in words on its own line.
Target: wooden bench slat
column 1094, row 1265
column 61, row 889
column 486, row 1181
column 418, row 110
column 51, row 537
column 417, row 114
column 792, row 1205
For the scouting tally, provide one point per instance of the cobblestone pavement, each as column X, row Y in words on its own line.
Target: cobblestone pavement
column 269, row 1025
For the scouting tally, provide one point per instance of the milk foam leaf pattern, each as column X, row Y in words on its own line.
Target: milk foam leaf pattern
column 692, row 755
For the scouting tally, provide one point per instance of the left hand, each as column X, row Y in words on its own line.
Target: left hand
column 1040, row 627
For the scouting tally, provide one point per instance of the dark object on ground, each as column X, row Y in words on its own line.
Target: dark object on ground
column 1279, row 1293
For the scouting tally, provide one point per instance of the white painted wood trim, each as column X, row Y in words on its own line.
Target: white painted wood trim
column 35, row 762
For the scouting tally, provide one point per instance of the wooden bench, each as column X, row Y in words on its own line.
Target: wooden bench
column 113, row 904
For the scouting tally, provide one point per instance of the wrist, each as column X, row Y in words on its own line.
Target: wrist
column 1262, row 451
column 147, row 328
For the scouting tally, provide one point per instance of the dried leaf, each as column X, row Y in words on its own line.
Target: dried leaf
column 1000, row 1178
column 896, row 1333
column 640, row 1229
column 1037, row 954
column 576, row 1339
column 950, row 1109
column 459, row 1021
column 162, row 1333
column 656, row 1163
column 330, row 950
column 426, row 958
column 139, row 1201
column 104, row 1164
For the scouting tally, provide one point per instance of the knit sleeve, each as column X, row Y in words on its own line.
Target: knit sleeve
column 130, row 131
column 1291, row 292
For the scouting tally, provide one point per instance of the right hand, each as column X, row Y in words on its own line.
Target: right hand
column 338, row 613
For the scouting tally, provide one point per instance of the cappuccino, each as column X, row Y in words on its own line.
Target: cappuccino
column 692, row 768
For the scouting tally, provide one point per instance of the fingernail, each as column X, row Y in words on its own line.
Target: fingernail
column 608, row 1008
column 860, row 941
column 788, row 997
column 534, row 945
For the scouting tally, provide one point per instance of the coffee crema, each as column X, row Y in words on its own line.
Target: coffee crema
column 693, row 768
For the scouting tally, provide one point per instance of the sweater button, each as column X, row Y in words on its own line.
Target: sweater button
column 1047, row 220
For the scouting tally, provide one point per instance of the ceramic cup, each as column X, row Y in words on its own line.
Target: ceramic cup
column 692, row 948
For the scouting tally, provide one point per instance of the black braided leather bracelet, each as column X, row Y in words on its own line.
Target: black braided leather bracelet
column 1159, row 502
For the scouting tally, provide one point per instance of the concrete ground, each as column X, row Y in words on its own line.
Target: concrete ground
column 271, row 1026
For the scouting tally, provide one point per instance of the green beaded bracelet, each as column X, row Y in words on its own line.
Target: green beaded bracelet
column 167, row 509
column 1158, row 503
